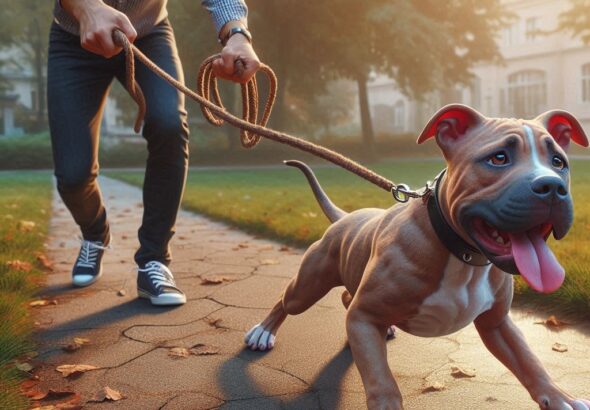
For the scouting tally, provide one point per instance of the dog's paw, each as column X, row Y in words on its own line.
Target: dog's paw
column 259, row 338
column 581, row 404
column 390, row 333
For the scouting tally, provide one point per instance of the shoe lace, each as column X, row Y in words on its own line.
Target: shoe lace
column 159, row 275
column 89, row 253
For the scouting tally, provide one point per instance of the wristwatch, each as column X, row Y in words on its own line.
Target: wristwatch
column 235, row 30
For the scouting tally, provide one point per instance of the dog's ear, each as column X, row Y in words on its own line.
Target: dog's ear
column 450, row 123
column 563, row 127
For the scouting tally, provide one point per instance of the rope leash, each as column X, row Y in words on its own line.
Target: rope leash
column 251, row 130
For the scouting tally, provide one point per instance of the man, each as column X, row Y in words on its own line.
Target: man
column 82, row 63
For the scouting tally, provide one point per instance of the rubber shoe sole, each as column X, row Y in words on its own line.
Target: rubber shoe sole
column 167, row 299
column 83, row 283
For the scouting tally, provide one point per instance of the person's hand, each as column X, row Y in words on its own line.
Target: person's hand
column 237, row 48
column 97, row 22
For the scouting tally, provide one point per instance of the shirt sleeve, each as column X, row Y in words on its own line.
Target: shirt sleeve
column 223, row 11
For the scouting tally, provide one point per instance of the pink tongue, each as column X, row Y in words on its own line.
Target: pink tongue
column 535, row 261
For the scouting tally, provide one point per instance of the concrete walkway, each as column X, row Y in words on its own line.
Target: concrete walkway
column 133, row 344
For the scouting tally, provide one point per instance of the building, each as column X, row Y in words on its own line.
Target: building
column 540, row 72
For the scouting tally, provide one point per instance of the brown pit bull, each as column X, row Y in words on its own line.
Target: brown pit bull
column 432, row 267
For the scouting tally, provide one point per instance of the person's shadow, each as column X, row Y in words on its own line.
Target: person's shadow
column 234, row 380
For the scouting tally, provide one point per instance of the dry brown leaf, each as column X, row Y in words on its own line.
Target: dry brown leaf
column 460, row 372
column 44, row 261
column 121, row 292
column 76, row 344
column 434, row 386
column 25, row 367
column 204, row 350
column 214, row 322
column 179, row 352
column 243, row 245
column 552, row 321
column 107, row 394
column 284, row 248
column 269, row 262
column 19, row 266
column 43, row 302
column 215, row 280
column 50, row 394
column 559, row 347
column 67, row 370
column 25, row 226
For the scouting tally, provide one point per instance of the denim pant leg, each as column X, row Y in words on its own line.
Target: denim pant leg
column 77, row 85
column 166, row 132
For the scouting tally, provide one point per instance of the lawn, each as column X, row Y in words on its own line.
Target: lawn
column 278, row 203
column 25, row 199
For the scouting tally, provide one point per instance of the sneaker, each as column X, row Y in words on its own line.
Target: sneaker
column 88, row 266
column 156, row 283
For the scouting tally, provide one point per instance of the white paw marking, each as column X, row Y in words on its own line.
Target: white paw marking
column 259, row 338
column 581, row 404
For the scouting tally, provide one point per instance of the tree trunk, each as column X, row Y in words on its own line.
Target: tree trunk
column 40, row 78
column 366, row 122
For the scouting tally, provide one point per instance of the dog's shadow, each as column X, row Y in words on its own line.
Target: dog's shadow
column 236, row 382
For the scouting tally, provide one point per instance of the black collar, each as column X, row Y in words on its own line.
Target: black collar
column 449, row 238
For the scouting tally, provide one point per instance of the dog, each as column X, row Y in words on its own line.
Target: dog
column 430, row 267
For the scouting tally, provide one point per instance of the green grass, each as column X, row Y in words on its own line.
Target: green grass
column 278, row 203
column 24, row 196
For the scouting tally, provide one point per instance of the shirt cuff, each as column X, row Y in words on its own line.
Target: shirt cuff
column 224, row 11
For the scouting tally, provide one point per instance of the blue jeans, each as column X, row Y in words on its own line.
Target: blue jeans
column 77, row 85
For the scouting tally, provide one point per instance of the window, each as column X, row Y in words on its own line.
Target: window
column 511, row 35
column 526, row 94
column 531, row 29
column 586, row 83
column 399, row 116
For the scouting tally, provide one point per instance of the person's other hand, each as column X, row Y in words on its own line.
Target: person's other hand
column 97, row 22
column 237, row 48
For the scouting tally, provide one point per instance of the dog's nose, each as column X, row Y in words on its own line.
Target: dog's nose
column 548, row 186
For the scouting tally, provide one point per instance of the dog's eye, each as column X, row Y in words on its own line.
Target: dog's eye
column 557, row 162
column 498, row 159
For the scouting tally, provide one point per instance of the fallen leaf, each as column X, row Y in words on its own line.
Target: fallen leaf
column 179, row 352
column 121, row 292
column 459, row 372
column 76, row 344
column 491, row 399
column 107, row 394
column 25, row 226
column 204, row 350
column 44, row 261
column 243, row 245
column 71, row 369
column 214, row 322
column 212, row 281
column 181, row 237
column 28, row 385
column 19, row 266
column 433, row 387
column 269, row 262
column 552, row 321
column 25, row 367
column 43, row 302
column 559, row 347
column 284, row 248
column 49, row 395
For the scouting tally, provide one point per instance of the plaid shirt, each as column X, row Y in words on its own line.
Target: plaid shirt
column 145, row 14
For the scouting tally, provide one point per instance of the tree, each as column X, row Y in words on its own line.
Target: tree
column 577, row 20
column 24, row 24
column 425, row 45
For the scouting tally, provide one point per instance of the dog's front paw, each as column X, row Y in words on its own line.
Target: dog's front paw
column 563, row 403
column 259, row 338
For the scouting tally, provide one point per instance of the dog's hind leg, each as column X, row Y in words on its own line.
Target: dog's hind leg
column 314, row 279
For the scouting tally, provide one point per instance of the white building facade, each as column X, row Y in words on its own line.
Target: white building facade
column 540, row 72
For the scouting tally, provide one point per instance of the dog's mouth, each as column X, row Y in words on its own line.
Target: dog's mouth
column 524, row 252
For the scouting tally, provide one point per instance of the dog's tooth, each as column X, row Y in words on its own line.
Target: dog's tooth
column 500, row 240
column 495, row 234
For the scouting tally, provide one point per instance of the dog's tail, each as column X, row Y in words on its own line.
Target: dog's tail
column 330, row 210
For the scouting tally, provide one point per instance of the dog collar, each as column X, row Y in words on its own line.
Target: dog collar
column 449, row 238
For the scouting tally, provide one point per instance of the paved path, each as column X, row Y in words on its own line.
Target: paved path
column 311, row 366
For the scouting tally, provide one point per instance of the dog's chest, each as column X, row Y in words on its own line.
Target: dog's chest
column 464, row 293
